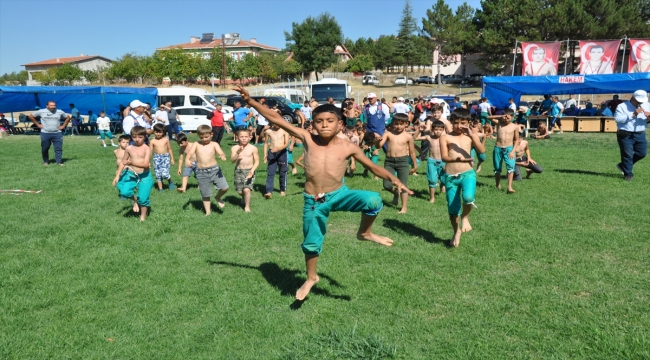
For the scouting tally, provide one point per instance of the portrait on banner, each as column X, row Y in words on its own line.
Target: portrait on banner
column 540, row 59
column 598, row 57
column 639, row 60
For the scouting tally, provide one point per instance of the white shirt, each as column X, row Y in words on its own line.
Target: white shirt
column 401, row 108
column 513, row 107
column 569, row 102
column 162, row 117
column 626, row 121
column 484, row 107
column 132, row 120
column 372, row 109
column 261, row 120
column 306, row 110
column 103, row 123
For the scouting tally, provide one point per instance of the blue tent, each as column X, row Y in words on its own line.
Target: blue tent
column 95, row 98
column 498, row 89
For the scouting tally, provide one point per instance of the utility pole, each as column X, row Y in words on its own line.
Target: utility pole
column 223, row 61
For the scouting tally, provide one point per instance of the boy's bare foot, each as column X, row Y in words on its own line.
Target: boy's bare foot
column 382, row 240
column 181, row 190
column 46, row 164
column 304, row 290
column 402, row 211
column 247, row 209
column 282, row 193
column 465, row 225
column 220, row 203
column 432, row 200
column 376, row 178
column 456, row 240
column 499, row 187
column 294, row 171
column 60, row 164
column 268, row 195
column 478, row 169
column 511, row 191
column 136, row 208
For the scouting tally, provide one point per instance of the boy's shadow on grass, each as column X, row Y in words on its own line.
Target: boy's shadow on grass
column 286, row 280
column 259, row 188
column 585, row 172
column 233, row 200
column 198, row 205
column 413, row 230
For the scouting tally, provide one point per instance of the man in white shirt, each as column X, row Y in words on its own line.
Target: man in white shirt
column 162, row 116
column 511, row 105
column 632, row 120
column 570, row 101
column 306, row 110
column 262, row 125
column 135, row 118
column 400, row 107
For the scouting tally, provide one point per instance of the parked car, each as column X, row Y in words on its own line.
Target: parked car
column 401, row 80
column 283, row 104
column 425, row 79
column 192, row 117
column 475, row 79
column 453, row 79
column 370, row 80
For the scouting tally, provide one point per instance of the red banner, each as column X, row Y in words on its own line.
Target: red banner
column 598, row 57
column 639, row 56
column 540, row 59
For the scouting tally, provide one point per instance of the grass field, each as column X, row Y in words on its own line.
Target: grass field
column 557, row 270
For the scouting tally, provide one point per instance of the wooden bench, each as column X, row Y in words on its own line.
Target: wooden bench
column 589, row 123
column 568, row 124
column 609, row 125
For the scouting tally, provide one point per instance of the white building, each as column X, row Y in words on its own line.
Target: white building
column 84, row 62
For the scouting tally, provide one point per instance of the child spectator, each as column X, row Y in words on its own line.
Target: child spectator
column 524, row 159
column 371, row 148
column 246, row 160
column 484, row 110
column 134, row 172
column 400, row 148
column 351, row 134
column 185, row 147
column 275, row 155
column 541, row 132
column 162, row 156
column 476, row 129
column 104, row 127
column 435, row 165
column 326, row 159
column 504, row 150
column 208, row 172
column 459, row 176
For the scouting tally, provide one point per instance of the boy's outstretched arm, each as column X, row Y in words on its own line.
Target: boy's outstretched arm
column 271, row 115
column 359, row 156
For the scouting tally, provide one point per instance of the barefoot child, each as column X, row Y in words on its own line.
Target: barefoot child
column 275, row 155
column 185, row 147
column 351, row 134
column 435, row 165
column 162, row 155
column 246, row 160
column 504, row 150
column 459, row 176
column 371, row 148
column 208, row 172
column 134, row 172
column 123, row 142
column 104, row 128
column 325, row 163
column 476, row 129
column 400, row 148
column 524, row 159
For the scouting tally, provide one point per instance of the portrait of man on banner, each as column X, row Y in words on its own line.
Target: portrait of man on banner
column 598, row 57
column 540, row 59
column 639, row 56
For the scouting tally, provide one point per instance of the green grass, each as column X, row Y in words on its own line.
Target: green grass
column 557, row 270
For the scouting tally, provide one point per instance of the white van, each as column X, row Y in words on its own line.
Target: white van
column 296, row 96
column 184, row 96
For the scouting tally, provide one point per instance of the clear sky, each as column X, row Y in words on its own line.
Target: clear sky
column 36, row 30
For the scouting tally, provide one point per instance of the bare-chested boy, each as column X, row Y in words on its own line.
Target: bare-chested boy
column 208, row 172
column 162, row 155
column 478, row 130
column 134, row 172
column 504, row 150
column 185, row 147
column 524, row 159
column 459, row 177
column 400, row 148
column 325, row 163
column 246, row 160
column 351, row 135
column 123, row 142
column 275, row 156
column 435, row 165
column 436, row 114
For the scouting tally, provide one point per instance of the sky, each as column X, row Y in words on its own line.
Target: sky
column 37, row 30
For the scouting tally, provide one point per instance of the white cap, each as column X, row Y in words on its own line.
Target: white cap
column 371, row 95
column 400, row 99
column 212, row 100
column 135, row 103
column 640, row 96
column 434, row 100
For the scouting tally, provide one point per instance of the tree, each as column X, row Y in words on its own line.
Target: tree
column 268, row 69
column 438, row 26
column 15, row 78
column 384, row 52
column 128, row 67
column 313, row 41
column 361, row 62
column 46, row 77
column 90, row 76
column 406, row 43
column 69, row 73
column 465, row 35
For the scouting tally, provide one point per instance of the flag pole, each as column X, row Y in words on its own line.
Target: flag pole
column 566, row 57
column 623, row 59
column 514, row 58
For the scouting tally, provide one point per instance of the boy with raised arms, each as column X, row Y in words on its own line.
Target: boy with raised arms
column 208, row 172
column 325, row 163
column 459, row 177
column 134, row 172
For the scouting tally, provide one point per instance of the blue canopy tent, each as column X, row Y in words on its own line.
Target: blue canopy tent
column 498, row 89
column 95, row 98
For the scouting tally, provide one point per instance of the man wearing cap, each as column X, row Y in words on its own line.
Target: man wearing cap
column 135, row 118
column 376, row 116
column 632, row 119
column 400, row 107
column 51, row 128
